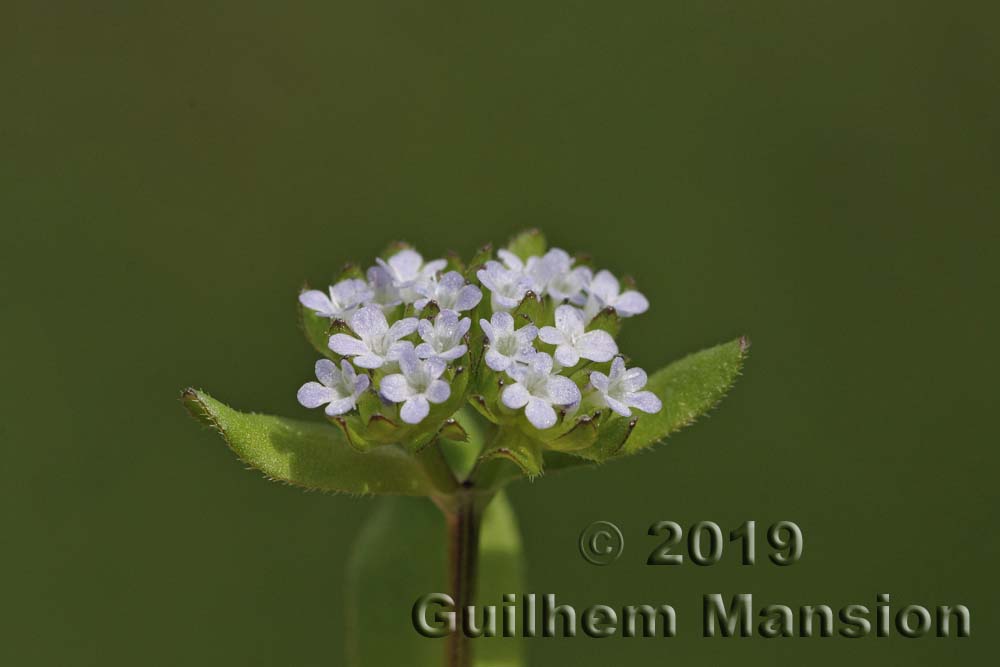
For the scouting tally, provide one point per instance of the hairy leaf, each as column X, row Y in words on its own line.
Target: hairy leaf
column 689, row 388
column 313, row 455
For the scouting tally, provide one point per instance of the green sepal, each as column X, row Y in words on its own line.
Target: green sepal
column 612, row 435
column 452, row 430
column 531, row 310
column 606, row 320
column 455, row 262
column 350, row 271
column 353, row 429
column 393, row 248
column 312, row 455
column 581, row 435
column 514, row 444
column 482, row 256
column 528, row 243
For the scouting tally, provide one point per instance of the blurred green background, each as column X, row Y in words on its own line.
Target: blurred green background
column 821, row 176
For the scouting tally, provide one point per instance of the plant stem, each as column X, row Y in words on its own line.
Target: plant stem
column 463, row 557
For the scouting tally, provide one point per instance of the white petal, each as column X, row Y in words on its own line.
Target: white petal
column 414, row 410
column 408, row 362
column 596, row 346
column 569, row 320
column 617, row 406
column 599, row 381
column 395, row 388
column 452, row 354
column 562, row 390
column 403, row 327
column 369, row 360
column 347, row 346
column 435, row 367
column 487, row 329
column 526, row 334
column 425, row 351
column 604, row 286
column 463, row 327
column 497, row 361
column 452, row 281
column 646, row 401
column 541, row 363
column 369, row 321
column 552, row 336
column 634, row 379
column 433, row 267
column 515, row 396
column 438, row 391
column 567, row 356
column 360, row 384
column 617, row 368
column 316, row 300
column 313, row 395
column 512, row 261
column 340, row 406
column 468, row 297
column 425, row 329
column 631, row 303
column 502, row 322
column 540, row 414
column 326, row 372
column 405, row 264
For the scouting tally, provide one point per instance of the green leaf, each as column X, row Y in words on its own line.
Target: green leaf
column 314, row 455
column 689, row 388
column 382, row 586
column 528, row 243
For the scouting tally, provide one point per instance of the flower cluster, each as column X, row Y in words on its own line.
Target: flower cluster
column 542, row 344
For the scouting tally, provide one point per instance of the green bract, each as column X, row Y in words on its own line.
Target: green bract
column 448, row 380
column 373, row 451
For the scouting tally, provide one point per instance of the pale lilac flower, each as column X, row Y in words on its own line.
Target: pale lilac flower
column 507, row 287
column 620, row 390
column 536, row 390
column 376, row 341
column 343, row 299
column 507, row 346
column 605, row 291
column 573, row 342
column 338, row 389
column 383, row 292
column 409, row 272
column 443, row 339
column 416, row 387
column 569, row 285
column 449, row 292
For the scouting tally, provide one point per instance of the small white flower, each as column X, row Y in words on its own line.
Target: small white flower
column 416, row 387
column 409, row 272
column 536, row 390
column 443, row 339
column 449, row 292
column 343, row 299
column 377, row 342
column 507, row 346
column 383, row 292
column 620, row 390
column 572, row 342
column 605, row 291
column 570, row 285
column 339, row 389
column 507, row 286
